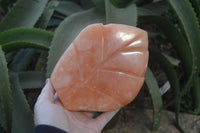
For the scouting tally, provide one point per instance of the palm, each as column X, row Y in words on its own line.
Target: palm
column 50, row 111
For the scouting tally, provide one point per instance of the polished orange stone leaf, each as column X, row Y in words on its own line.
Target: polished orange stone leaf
column 103, row 69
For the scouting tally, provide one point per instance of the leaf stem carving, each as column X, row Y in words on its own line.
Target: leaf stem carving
column 110, row 97
column 118, row 50
column 130, row 74
column 78, row 62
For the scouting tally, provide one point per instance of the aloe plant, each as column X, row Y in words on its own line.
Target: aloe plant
column 13, row 102
column 190, row 24
column 5, row 91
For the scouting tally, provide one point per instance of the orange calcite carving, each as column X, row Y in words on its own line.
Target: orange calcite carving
column 103, row 69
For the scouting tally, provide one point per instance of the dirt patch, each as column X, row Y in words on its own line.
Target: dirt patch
column 138, row 118
column 140, row 121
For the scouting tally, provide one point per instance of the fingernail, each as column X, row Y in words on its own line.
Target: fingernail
column 46, row 81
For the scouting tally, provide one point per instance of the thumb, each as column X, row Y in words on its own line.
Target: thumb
column 47, row 94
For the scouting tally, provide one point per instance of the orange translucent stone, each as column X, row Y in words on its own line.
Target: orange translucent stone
column 103, row 69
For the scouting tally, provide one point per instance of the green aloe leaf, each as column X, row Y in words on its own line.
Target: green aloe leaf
column 21, row 62
column 43, row 22
column 54, row 22
column 173, row 61
column 188, row 19
column 173, row 79
column 159, row 7
column 1, row 118
column 22, row 115
column 58, row 16
column 4, row 5
column 87, row 4
column 190, row 24
column 153, row 88
column 120, row 3
column 68, row 8
column 18, row 45
column 25, row 38
column 31, row 79
column 100, row 4
column 155, row 8
column 5, row 93
column 25, row 13
column 32, row 35
column 10, row 56
column 195, row 94
column 183, row 92
column 144, row 12
column 184, row 51
column 196, row 5
column 47, row 14
column 176, row 38
column 67, row 32
column 121, row 15
column 142, row 2
column 42, row 61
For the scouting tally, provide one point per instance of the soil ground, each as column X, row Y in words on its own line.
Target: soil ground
column 138, row 118
column 140, row 121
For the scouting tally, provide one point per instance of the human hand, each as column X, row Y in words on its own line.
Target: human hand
column 49, row 111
